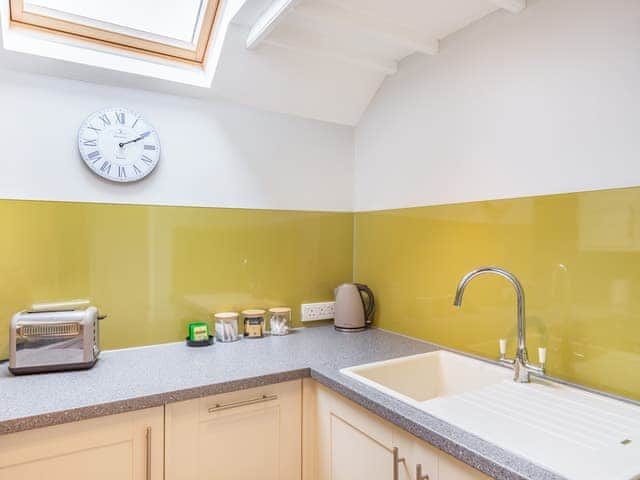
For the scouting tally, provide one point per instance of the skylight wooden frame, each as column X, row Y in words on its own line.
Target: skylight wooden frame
column 20, row 17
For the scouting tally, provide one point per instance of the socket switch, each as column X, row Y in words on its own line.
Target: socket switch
column 318, row 311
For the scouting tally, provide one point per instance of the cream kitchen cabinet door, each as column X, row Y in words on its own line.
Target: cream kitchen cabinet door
column 355, row 455
column 127, row 446
column 246, row 435
column 351, row 443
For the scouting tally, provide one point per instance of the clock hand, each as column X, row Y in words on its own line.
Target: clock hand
column 144, row 135
column 130, row 141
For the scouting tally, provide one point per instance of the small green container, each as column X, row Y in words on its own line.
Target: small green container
column 198, row 331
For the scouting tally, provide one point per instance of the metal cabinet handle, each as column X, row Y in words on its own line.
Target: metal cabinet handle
column 148, row 454
column 419, row 475
column 396, row 463
column 264, row 398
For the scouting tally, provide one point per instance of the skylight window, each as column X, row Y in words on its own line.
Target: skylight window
column 174, row 28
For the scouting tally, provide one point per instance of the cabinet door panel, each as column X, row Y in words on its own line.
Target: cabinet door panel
column 103, row 448
column 255, row 433
column 357, row 456
column 242, row 445
column 352, row 444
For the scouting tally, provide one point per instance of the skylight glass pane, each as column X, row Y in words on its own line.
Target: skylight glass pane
column 174, row 19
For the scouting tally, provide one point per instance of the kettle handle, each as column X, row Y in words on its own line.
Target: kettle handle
column 370, row 305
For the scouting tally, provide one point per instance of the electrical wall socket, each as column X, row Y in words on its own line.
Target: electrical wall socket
column 318, row 311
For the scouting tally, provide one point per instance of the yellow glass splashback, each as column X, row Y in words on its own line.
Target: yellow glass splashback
column 577, row 256
column 154, row 269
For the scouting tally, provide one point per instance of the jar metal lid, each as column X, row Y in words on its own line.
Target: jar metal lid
column 226, row 315
column 279, row 310
column 253, row 313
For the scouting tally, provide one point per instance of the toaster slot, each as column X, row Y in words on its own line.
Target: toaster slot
column 50, row 330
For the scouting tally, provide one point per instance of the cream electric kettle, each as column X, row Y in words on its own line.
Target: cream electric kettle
column 353, row 313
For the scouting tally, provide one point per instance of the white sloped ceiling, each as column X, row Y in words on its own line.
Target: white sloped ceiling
column 325, row 59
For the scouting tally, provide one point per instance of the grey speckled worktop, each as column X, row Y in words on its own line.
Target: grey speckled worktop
column 125, row 380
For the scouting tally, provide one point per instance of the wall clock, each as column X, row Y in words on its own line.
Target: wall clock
column 119, row 145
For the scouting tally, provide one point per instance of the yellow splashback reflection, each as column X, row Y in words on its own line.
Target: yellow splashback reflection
column 153, row 269
column 577, row 256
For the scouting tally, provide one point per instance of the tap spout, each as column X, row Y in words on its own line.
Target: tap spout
column 521, row 362
column 516, row 284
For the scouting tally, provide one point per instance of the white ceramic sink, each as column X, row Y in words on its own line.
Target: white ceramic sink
column 574, row 433
column 429, row 375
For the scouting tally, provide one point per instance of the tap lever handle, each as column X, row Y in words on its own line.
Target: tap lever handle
column 503, row 346
column 542, row 355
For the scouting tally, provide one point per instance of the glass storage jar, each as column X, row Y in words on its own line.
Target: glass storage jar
column 227, row 326
column 280, row 320
column 254, row 323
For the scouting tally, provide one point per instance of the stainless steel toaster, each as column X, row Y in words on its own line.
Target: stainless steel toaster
column 54, row 337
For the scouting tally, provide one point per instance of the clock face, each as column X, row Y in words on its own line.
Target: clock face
column 119, row 145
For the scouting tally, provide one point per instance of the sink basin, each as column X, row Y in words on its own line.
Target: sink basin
column 418, row 378
column 574, row 433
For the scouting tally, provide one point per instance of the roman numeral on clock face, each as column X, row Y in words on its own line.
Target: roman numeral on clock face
column 146, row 159
column 105, row 119
column 121, row 118
column 94, row 156
column 122, row 171
column 90, row 143
column 105, row 168
column 137, row 170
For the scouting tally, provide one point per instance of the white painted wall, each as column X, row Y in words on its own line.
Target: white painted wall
column 545, row 101
column 541, row 102
column 213, row 153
